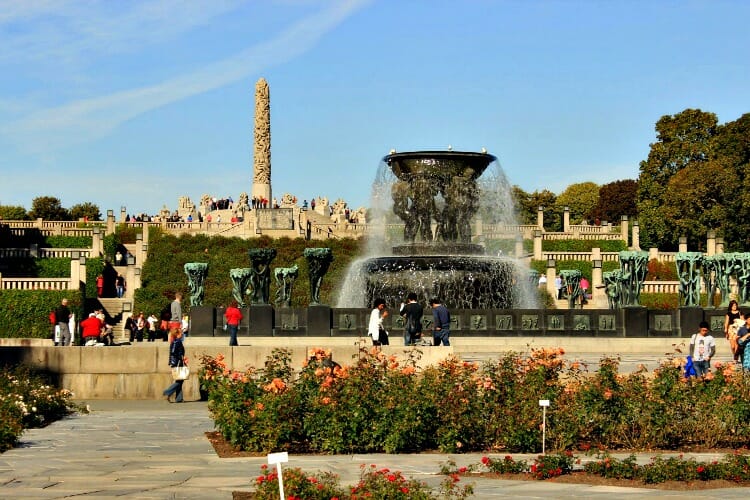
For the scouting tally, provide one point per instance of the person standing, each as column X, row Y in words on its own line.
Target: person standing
column 559, row 286
column 542, row 281
column 584, row 289
column 412, row 312
column 441, row 321
column 741, row 339
column 62, row 316
column 702, row 348
column 175, row 308
column 120, row 285
column 375, row 327
column 176, row 358
column 152, row 320
column 233, row 317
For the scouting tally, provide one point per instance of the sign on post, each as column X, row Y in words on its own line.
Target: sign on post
column 278, row 459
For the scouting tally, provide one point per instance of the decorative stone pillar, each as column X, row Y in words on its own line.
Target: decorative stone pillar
column 711, row 243
column 537, row 244
column 566, row 220
column 139, row 248
column 262, row 144
column 144, row 230
column 540, row 217
column 636, row 237
column 551, row 275
column 596, row 254
column 719, row 245
column 97, row 244
column 75, row 270
column 653, row 253
column 598, row 292
column 682, row 245
column 519, row 246
column 624, row 229
column 110, row 221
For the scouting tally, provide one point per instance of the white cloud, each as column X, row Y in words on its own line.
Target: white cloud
column 87, row 119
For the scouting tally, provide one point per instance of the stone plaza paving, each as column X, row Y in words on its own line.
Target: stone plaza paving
column 154, row 449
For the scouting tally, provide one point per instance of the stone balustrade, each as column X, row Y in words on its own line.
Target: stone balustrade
column 34, row 283
column 582, row 256
column 51, row 253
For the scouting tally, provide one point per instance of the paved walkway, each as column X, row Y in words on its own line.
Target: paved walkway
column 153, row 449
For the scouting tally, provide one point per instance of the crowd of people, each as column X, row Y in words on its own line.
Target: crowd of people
column 412, row 312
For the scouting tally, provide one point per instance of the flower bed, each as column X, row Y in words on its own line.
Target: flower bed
column 385, row 404
column 27, row 400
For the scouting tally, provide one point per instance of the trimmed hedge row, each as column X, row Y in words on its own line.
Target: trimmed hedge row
column 163, row 272
column 25, row 313
column 583, row 245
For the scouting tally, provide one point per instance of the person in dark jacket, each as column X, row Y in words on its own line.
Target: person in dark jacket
column 441, row 329
column 176, row 358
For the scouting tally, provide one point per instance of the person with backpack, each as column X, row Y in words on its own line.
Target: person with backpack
column 412, row 312
column 743, row 338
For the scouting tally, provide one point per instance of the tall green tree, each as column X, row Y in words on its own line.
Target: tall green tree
column 48, row 208
column 581, row 199
column 616, row 199
column 87, row 209
column 682, row 140
column 527, row 204
column 13, row 212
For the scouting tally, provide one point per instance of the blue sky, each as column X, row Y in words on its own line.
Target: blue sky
column 137, row 103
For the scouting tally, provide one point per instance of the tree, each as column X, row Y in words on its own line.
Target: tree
column 527, row 204
column 616, row 199
column 48, row 208
column 87, row 210
column 580, row 198
column 13, row 212
column 683, row 140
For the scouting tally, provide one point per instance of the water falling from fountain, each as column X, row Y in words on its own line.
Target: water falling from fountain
column 433, row 249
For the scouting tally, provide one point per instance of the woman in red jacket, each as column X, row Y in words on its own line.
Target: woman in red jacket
column 233, row 317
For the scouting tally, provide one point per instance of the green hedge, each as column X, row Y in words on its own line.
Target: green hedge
column 583, row 245
column 54, row 267
column 25, row 313
column 68, row 242
column 585, row 267
column 163, row 272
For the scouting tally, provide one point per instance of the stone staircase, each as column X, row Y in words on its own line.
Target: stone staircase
column 115, row 317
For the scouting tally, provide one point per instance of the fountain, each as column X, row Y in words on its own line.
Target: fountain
column 436, row 195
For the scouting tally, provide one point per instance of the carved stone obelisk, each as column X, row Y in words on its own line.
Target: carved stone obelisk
column 262, row 145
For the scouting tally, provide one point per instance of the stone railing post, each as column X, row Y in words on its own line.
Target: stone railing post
column 711, row 242
column 139, row 248
column 566, row 220
column 719, row 245
column 519, row 246
column 624, row 229
column 551, row 275
column 540, row 218
column 636, row 236
column 682, row 245
column 110, row 222
column 537, row 244
column 123, row 214
column 97, row 243
column 598, row 292
column 653, row 253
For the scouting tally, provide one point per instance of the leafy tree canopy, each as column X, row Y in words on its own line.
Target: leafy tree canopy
column 580, row 198
column 13, row 212
column 616, row 199
column 527, row 204
column 87, row 210
column 48, row 208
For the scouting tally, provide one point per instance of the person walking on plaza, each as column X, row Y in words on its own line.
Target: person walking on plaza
column 702, row 348
column 441, row 321
column 120, row 285
column 412, row 312
column 742, row 338
column 233, row 316
column 176, row 358
column 62, row 317
column 730, row 329
column 175, row 321
column 375, row 328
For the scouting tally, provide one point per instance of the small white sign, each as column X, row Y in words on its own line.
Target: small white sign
column 278, row 458
column 542, row 402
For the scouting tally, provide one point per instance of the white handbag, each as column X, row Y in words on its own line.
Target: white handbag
column 180, row 372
